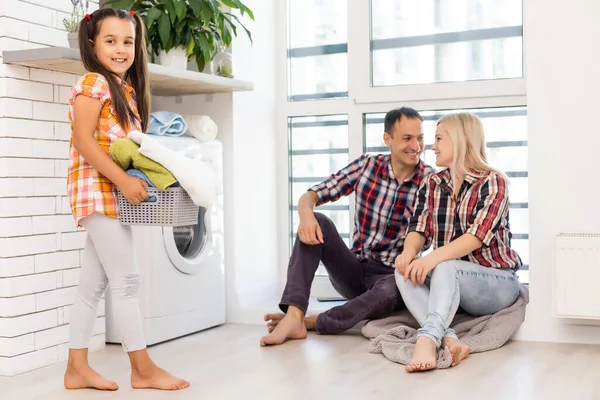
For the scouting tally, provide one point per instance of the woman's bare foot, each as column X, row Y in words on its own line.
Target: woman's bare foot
column 291, row 326
column 459, row 350
column 156, row 378
column 274, row 319
column 84, row 377
column 424, row 356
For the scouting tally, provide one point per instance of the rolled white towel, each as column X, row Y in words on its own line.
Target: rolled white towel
column 202, row 127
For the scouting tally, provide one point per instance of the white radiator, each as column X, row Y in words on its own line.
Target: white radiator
column 577, row 275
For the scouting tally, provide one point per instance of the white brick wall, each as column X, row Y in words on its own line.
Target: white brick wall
column 40, row 246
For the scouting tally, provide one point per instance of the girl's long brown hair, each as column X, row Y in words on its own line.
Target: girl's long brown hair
column 136, row 76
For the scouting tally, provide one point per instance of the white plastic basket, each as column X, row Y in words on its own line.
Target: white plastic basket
column 173, row 207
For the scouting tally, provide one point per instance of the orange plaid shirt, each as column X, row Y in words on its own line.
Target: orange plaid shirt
column 89, row 191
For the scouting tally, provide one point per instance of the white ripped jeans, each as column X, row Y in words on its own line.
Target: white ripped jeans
column 108, row 259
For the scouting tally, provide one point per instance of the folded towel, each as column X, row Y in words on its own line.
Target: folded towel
column 193, row 175
column 125, row 153
column 395, row 336
column 201, row 127
column 166, row 123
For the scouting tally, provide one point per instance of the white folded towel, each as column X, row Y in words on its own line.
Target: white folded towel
column 198, row 180
column 201, row 127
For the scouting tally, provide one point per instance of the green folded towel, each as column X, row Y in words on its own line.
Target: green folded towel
column 125, row 153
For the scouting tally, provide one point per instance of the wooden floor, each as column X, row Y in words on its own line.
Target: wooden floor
column 228, row 363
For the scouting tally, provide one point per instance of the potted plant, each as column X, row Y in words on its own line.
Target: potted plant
column 188, row 29
column 71, row 24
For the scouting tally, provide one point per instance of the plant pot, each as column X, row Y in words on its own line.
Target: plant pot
column 175, row 58
column 73, row 40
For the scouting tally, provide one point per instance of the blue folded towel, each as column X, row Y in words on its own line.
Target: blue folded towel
column 166, row 123
column 139, row 174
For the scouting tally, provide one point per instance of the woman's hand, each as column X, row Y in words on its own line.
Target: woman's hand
column 403, row 261
column 133, row 189
column 418, row 269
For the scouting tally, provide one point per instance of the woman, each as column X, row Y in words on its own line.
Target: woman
column 463, row 211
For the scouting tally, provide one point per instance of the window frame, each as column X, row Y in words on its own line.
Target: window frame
column 364, row 99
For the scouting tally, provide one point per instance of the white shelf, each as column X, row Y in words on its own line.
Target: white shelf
column 163, row 81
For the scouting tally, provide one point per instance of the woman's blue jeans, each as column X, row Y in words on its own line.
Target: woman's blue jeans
column 477, row 290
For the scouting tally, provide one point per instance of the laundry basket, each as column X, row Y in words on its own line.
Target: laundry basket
column 173, row 207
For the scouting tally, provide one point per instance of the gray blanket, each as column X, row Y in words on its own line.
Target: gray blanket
column 395, row 336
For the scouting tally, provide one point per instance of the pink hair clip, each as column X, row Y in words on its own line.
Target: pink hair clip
column 132, row 13
column 88, row 17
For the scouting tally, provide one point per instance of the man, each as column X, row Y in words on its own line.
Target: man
column 385, row 188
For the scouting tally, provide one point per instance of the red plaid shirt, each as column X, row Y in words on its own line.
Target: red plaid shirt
column 383, row 205
column 481, row 210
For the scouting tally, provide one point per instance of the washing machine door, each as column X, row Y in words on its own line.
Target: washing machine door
column 188, row 246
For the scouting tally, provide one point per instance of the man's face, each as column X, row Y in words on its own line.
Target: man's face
column 406, row 143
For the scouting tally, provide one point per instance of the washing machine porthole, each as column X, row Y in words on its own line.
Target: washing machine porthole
column 191, row 239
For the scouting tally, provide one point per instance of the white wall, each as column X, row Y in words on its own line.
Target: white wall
column 246, row 122
column 563, row 82
column 40, row 247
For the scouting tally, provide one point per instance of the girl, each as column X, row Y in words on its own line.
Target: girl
column 106, row 104
column 463, row 210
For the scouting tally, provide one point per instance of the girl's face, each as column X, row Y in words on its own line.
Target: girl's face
column 444, row 152
column 115, row 45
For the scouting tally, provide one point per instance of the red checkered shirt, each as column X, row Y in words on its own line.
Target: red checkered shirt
column 383, row 205
column 90, row 191
column 482, row 209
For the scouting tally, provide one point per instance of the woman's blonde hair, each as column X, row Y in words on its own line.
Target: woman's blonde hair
column 468, row 142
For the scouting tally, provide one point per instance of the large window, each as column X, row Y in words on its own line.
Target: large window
column 318, row 146
column 355, row 63
column 430, row 41
column 318, row 37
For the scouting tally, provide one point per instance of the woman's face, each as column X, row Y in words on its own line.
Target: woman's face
column 442, row 147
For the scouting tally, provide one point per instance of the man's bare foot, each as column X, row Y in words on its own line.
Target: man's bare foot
column 459, row 350
column 156, row 378
column 84, row 377
column 424, row 356
column 291, row 326
column 274, row 319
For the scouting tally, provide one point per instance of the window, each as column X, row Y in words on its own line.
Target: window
column 430, row 41
column 317, row 53
column 318, row 146
column 348, row 66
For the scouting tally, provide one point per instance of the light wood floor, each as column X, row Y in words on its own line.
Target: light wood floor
column 228, row 363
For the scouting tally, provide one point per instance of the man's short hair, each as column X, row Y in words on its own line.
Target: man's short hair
column 396, row 115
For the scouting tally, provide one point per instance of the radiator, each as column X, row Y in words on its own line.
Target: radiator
column 576, row 283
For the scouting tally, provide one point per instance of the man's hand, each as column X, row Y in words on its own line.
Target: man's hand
column 403, row 261
column 309, row 231
column 418, row 269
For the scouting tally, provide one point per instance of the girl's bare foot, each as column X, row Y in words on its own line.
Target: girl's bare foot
column 274, row 319
column 291, row 326
column 147, row 375
column 459, row 350
column 424, row 357
column 84, row 377
column 156, row 378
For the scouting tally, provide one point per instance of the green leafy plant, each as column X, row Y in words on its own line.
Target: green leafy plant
column 80, row 8
column 200, row 26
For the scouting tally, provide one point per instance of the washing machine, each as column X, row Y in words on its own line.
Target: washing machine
column 182, row 287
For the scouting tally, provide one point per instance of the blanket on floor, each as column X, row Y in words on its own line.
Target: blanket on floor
column 395, row 336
